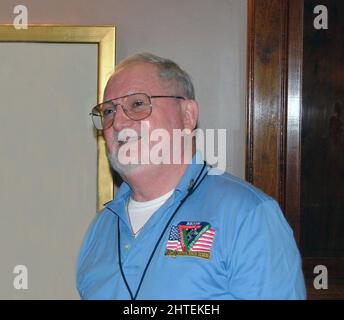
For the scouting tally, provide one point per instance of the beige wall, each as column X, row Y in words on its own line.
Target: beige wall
column 206, row 37
column 48, row 162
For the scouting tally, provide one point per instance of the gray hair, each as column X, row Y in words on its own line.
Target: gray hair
column 168, row 69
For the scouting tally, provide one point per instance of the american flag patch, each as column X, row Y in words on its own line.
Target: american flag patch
column 190, row 239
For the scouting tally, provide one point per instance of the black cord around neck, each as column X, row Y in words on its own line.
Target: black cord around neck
column 191, row 189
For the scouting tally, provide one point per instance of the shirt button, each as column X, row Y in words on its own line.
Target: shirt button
column 127, row 246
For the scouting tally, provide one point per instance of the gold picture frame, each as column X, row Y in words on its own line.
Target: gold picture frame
column 104, row 37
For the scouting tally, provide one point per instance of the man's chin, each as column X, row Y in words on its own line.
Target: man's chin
column 125, row 169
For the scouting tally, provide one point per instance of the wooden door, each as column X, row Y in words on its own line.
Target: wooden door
column 295, row 126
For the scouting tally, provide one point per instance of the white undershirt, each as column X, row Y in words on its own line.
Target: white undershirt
column 140, row 211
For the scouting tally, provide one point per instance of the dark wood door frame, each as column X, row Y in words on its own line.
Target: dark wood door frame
column 274, row 101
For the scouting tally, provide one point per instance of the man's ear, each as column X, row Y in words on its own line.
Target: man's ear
column 190, row 113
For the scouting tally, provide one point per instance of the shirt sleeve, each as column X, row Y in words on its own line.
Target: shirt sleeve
column 83, row 252
column 265, row 260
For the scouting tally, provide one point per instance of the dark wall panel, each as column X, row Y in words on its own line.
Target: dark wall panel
column 322, row 135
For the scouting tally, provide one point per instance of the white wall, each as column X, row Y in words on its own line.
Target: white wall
column 206, row 37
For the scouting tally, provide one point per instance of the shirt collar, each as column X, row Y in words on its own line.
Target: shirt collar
column 195, row 171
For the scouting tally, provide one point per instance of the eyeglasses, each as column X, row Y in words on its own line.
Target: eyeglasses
column 136, row 106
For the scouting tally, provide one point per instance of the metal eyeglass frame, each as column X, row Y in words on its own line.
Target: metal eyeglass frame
column 96, row 113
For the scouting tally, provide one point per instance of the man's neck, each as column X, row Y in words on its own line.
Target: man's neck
column 154, row 183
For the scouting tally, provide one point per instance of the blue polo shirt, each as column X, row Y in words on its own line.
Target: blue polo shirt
column 228, row 240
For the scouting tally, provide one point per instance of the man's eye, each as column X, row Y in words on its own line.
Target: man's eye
column 137, row 104
column 108, row 112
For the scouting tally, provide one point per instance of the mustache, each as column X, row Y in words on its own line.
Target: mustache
column 124, row 136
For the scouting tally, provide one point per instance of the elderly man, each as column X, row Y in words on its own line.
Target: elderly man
column 176, row 230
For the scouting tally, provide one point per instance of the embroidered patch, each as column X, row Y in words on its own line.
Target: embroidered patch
column 190, row 238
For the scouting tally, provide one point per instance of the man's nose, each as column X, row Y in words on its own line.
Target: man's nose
column 121, row 120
